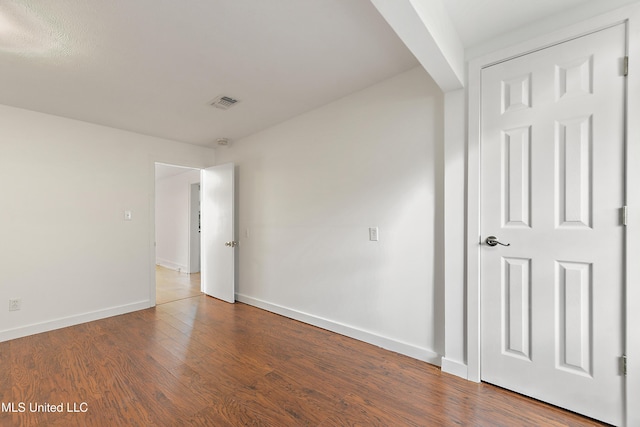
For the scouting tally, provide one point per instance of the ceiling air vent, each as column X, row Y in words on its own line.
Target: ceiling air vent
column 224, row 102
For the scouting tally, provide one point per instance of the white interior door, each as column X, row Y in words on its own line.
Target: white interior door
column 217, row 236
column 552, row 156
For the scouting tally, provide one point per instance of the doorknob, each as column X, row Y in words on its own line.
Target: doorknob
column 493, row 241
column 231, row 244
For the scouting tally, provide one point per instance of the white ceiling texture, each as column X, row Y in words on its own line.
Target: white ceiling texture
column 154, row 66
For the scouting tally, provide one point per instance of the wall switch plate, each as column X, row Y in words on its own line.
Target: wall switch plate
column 128, row 215
column 373, row 234
column 15, row 304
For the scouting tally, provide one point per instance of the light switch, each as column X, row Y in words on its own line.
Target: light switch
column 128, row 215
column 373, row 234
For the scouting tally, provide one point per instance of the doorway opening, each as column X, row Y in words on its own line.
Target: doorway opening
column 177, row 233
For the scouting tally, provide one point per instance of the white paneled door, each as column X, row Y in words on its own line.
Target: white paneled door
column 217, row 237
column 552, row 159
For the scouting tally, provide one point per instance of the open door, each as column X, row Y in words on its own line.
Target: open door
column 217, row 229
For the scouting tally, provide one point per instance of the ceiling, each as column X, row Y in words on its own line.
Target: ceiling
column 477, row 21
column 154, row 66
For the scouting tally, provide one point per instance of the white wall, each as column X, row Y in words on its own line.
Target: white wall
column 173, row 218
column 310, row 188
column 454, row 360
column 66, row 249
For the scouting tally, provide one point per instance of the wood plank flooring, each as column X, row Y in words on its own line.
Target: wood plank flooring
column 199, row 361
column 172, row 285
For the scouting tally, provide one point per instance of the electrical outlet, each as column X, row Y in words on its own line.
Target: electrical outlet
column 15, row 304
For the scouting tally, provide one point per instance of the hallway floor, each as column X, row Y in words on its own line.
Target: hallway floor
column 172, row 285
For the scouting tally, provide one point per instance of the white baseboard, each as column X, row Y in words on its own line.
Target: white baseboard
column 454, row 368
column 172, row 265
column 64, row 322
column 349, row 331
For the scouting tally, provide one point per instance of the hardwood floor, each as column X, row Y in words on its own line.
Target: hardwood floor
column 172, row 285
column 200, row 361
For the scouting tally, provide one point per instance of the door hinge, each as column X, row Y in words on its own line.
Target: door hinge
column 623, row 215
column 626, row 66
column 623, row 365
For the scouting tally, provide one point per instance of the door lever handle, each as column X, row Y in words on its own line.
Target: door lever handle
column 493, row 241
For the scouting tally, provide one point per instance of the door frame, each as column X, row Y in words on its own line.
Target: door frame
column 195, row 256
column 151, row 174
column 631, row 16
